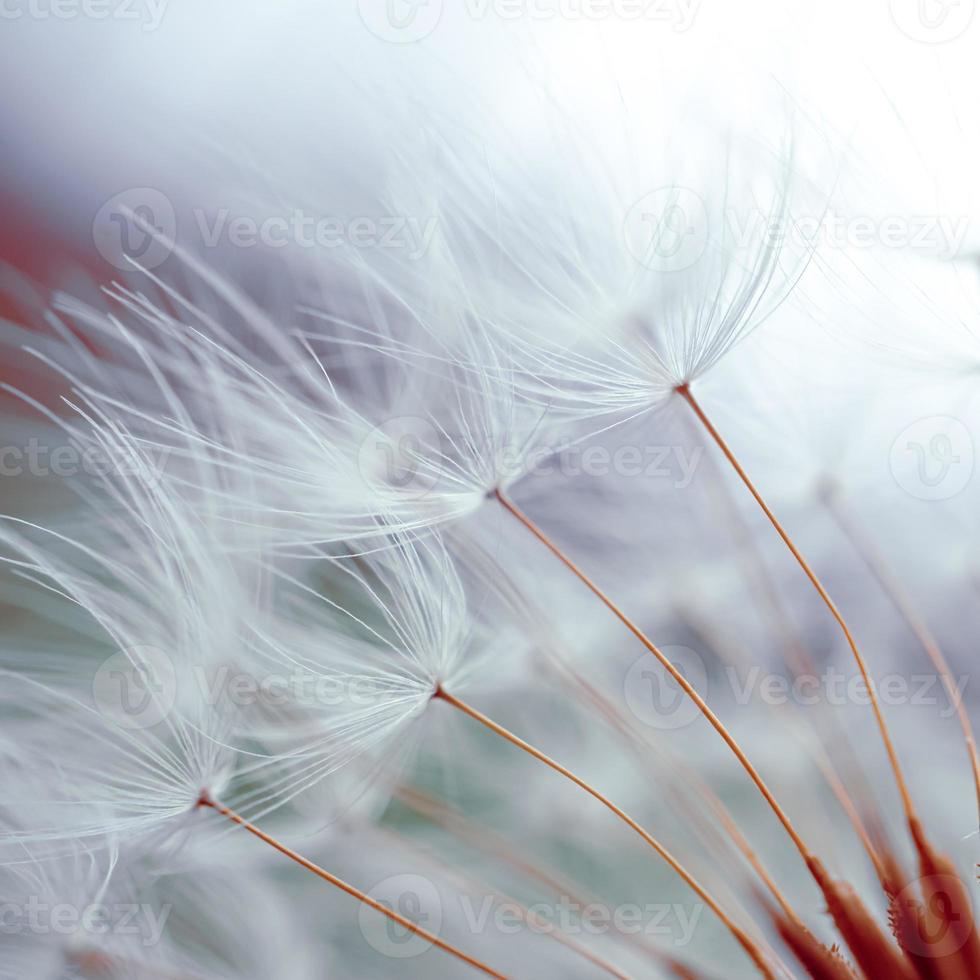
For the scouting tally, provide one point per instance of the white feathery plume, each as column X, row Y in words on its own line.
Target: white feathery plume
column 98, row 908
column 661, row 347
column 657, row 351
column 320, row 766
column 152, row 778
column 61, row 914
column 360, row 660
column 431, row 647
column 612, row 282
column 337, row 432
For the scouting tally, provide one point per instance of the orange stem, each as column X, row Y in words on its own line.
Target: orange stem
column 910, row 813
column 205, row 800
column 892, row 588
column 800, row 662
column 681, row 680
column 546, row 927
column 744, row 940
column 484, row 839
column 635, row 740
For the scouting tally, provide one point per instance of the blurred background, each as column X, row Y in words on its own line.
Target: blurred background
column 206, row 121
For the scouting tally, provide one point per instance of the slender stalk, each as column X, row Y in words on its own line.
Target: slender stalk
column 910, row 812
column 485, row 840
column 822, row 759
column 637, row 740
column 743, row 939
column 901, row 600
column 530, row 918
column 205, row 800
column 800, row 662
column 830, row 889
column 681, row 680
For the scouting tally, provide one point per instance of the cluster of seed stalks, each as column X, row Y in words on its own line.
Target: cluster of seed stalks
column 930, row 934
